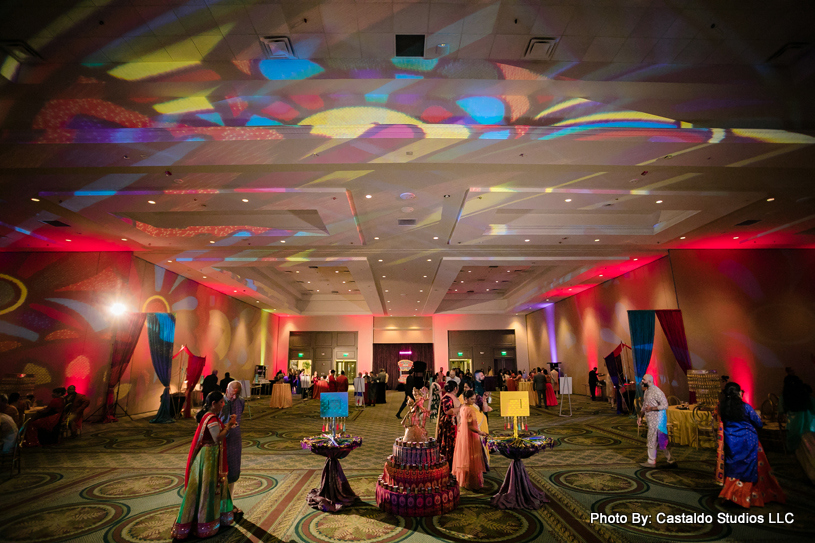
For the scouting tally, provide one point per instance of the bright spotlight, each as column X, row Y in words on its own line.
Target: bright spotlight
column 118, row 309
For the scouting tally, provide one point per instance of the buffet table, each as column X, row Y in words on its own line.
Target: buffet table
column 281, row 396
column 684, row 432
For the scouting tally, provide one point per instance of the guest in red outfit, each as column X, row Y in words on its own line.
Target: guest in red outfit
column 47, row 419
column 332, row 382
column 342, row 382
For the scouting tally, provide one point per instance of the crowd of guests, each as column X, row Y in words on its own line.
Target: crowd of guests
column 43, row 427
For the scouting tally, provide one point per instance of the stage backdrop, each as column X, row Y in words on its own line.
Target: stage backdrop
column 386, row 355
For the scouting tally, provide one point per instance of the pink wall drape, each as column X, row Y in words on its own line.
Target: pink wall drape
column 674, row 328
column 126, row 334
column 195, row 367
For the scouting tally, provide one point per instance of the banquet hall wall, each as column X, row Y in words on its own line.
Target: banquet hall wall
column 747, row 314
column 61, row 329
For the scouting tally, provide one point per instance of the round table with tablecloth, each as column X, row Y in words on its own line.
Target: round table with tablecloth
column 533, row 395
column 683, row 426
column 281, row 396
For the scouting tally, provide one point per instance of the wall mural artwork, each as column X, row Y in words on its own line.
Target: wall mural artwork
column 53, row 318
column 55, row 323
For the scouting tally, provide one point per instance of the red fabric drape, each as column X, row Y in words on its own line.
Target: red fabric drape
column 195, row 367
column 674, row 328
column 386, row 355
column 125, row 336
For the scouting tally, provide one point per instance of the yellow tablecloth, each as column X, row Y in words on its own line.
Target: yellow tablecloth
column 533, row 396
column 683, row 425
column 281, row 396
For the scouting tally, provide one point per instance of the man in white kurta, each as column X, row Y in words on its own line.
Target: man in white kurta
column 359, row 391
column 654, row 407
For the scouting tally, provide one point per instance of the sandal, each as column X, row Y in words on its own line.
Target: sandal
column 237, row 513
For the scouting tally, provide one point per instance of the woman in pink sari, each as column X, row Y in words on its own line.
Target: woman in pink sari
column 207, row 503
column 468, row 458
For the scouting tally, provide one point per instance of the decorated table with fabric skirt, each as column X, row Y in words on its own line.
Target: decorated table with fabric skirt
column 334, row 492
column 683, row 426
column 517, row 491
column 33, row 411
column 281, row 395
column 533, row 395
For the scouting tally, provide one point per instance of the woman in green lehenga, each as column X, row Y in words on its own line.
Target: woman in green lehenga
column 207, row 503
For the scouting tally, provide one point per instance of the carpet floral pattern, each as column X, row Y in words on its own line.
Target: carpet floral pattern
column 123, row 482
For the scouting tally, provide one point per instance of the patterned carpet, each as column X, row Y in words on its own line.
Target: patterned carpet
column 122, row 483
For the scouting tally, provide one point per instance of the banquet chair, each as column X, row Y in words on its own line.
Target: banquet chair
column 13, row 457
column 63, row 426
column 673, row 400
column 774, row 430
column 703, row 428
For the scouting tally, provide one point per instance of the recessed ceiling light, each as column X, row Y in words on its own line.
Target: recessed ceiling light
column 597, row 240
column 435, row 237
column 496, row 281
column 318, row 290
column 282, row 241
column 683, row 237
column 124, row 239
column 659, row 201
column 35, row 199
column 205, row 277
column 244, row 200
column 234, row 291
column 169, row 261
column 308, row 282
column 424, row 276
column 735, row 237
column 380, row 260
column 150, row 202
column 526, row 241
column 387, row 291
column 421, row 291
column 456, row 290
column 343, row 282
column 337, row 271
column 376, row 238
column 570, row 289
column 462, row 282
column 257, row 302
column 418, row 302
column 212, row 241
column 601, row 275
column 368, row 196
column 768, row 199
column 636, row 259
column 488, row 290
column 429, row 259
column 383, row 277
column 298, row 271
column 568, row 199
column 67, row 240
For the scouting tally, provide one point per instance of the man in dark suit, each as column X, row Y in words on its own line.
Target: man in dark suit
column 210, row 383
column 539, row 384
column 408, row 393
column 225, row 382
column 593, row 383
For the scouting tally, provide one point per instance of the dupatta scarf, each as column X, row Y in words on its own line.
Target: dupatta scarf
column 196, row 445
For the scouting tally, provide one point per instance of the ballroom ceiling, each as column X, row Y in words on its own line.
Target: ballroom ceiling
column 346, row 180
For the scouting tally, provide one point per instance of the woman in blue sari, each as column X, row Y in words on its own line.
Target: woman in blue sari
column 748, row 480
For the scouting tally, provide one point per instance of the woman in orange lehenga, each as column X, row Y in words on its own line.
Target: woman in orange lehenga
column 748, row 479
column 468, row 458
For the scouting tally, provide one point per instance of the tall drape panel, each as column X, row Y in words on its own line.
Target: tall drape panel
column 386, row 355
column 126, row 332
column 161, row 333
column 674, row 328
column 641, row 324
column 195, row 367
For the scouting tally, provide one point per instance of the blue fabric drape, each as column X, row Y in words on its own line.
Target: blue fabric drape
column 641, row 324
column 161, row 334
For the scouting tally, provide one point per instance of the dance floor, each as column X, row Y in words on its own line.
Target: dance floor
column 122, row 483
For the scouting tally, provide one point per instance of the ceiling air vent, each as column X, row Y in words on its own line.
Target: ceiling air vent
column 20, row 50
column 57, row 223
column 788, row 53
column 541, row 48
column 748, row 222
column 406, row 222
column 410, row 45
column 335, row 292
column 277, row 47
